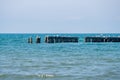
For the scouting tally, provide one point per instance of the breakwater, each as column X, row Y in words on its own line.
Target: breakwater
column 63, row 39
column 102, row 39
column 59, row 39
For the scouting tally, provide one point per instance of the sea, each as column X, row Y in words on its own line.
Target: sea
column 20, row 60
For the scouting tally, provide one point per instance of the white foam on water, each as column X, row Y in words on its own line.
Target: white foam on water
column 46, row 75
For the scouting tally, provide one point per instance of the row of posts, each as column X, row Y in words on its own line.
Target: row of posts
column 38, row 40
column 56, row 39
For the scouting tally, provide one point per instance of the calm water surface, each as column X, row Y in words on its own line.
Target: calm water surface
column 61, row 61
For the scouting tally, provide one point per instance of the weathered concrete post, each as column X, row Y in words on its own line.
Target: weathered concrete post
column 38, row 39
column 46, row 39
column 30, row 40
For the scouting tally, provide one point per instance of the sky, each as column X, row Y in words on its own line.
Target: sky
column 59, row 16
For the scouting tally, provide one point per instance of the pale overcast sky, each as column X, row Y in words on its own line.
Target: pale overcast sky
column 59, row 16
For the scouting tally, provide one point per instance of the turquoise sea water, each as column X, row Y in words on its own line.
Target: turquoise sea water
column 60, row 61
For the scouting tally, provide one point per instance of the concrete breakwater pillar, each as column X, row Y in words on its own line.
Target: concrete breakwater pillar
column 59, row 39
column 38, row 39
column 46, row 39
column 30, row 40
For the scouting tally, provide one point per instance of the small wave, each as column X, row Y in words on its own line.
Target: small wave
column 3, row 75
column 27, row 76
column 34, row 76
